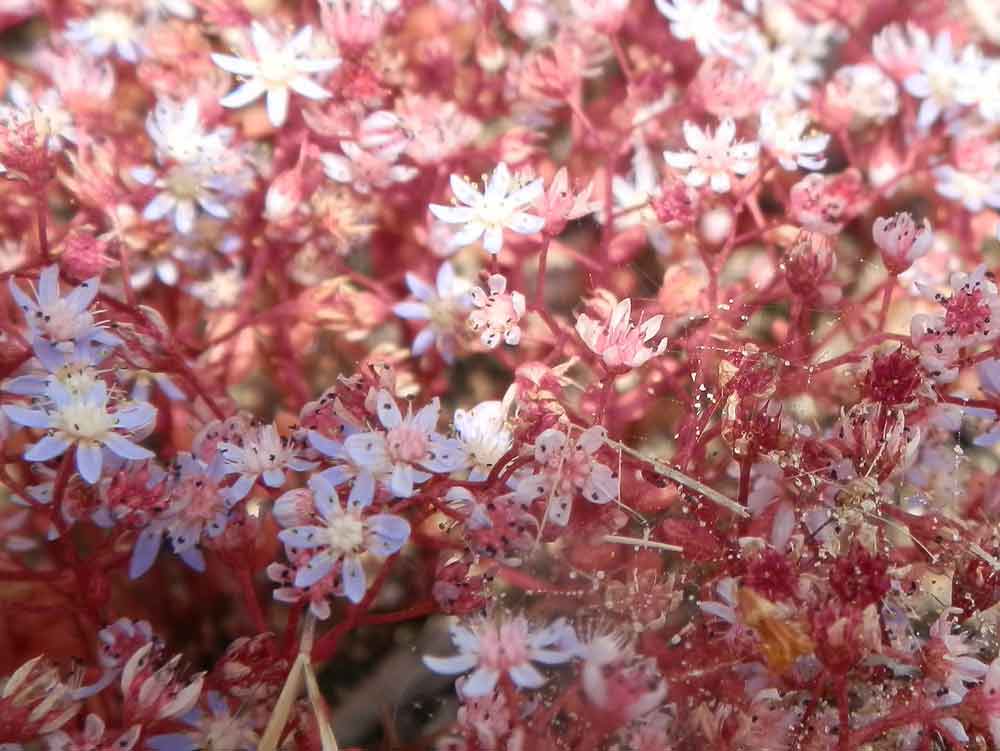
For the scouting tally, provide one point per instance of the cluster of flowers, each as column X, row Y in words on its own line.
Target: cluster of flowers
column 648, row 349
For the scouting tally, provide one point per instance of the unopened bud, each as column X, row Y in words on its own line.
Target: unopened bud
column 84, row 256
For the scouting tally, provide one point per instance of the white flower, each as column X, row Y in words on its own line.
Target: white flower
column 443, row 307
column 262, row 453
column 73, row 367
column 728, row 608
column 183, row 190
column 84, row 420
column 164, row 8
column 783, row 135
column 278, row 70
column 566, row 469
column 341, row 536
column 787, row 73
column 634, row 197
column 618, row 342
column 485, row 435
column 487, row 214
column 61, row 320
column 713, row 158
column 219, row 728
column 951, row 658
column 399, row 456
column 701, row 22
column 179, row 135
column 944, row 82
column 974, row 190
column 199, row 170
column 867, row 92
column 498, row 313
column 506, row 647
column 107, row 29
column 221, row 289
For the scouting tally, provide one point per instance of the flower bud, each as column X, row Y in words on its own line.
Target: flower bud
column 901, row 242
column 716, row 225
column 809, row 263
column 284, row 196
column 490, row 54
column 677, row 204
column 83, row 256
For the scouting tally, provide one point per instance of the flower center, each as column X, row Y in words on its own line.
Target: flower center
column 503, row 647
column 60, row 324
column 75, row 379
column 966, row 313
column 277, row 70
column 113, row 26
column 444, row 315
column 183, row 183
column 346, row 534
column 86, row 421
column 406, row 443
column 494, row 214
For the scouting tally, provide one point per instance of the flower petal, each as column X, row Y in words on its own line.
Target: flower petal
column 388, row 534
column 318, row 567
column 47, row 448
column 355, row 585
column 125, row 448
column 89, row 461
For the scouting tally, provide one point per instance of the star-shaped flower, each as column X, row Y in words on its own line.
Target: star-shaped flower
column 278, row 70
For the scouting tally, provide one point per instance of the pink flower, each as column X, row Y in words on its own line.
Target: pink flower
column 565, row 469
column 156, row 693
column 404, row 454
column 339, row 536
column 969, row 317
column 989, row 699
column 33, row 700
column 605, row 16
column 354, row 25
column 901, row 242
column 619, row 343
column 497, row 314
column 714, row 158
column 560, row 204
column 92, row 738
column 503, row 647
column 948, row 660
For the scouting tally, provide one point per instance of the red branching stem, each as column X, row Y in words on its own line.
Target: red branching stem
column 41, row 218
column 250, row 599
column 543, row 257
column 883, row 313
column 746, row 463
column 421, row 610
column 909, row 716
column 327, row 646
